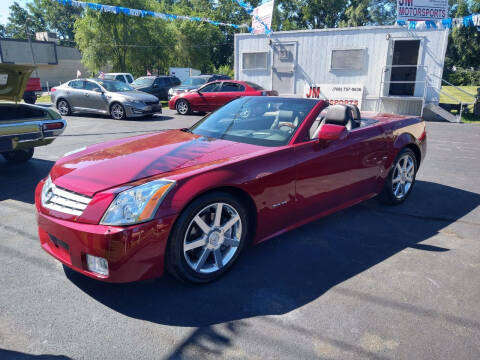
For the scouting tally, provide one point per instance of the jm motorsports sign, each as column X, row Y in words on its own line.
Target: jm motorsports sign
column 422, row 10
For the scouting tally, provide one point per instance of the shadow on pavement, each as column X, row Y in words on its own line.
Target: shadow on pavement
column 18, row 181
column 16, row 355
column 296, row 268
column 156, row 117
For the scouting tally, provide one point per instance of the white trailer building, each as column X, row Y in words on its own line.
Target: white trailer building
column 382, row 68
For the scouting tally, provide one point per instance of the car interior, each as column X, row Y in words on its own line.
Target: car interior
column 343, row 115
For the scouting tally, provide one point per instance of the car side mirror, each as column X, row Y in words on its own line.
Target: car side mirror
column 332, row 132
column 155, row 85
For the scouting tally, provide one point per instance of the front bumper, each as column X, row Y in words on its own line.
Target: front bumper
column 138, row 111
column 133, row 253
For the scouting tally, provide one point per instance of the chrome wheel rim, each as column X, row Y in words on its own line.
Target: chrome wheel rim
column 117, row 111
column 212, row 238
column 403, row 175
column 63, row 107
column 182, row 107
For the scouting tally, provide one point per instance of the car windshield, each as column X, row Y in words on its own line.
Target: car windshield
column 115, row 86
column 266, row 121
column 143, row 81
column 194, row 81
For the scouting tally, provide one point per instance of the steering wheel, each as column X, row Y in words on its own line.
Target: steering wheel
column 245, row 113
column 287, row 124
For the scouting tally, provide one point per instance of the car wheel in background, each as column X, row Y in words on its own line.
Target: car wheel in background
column 183, row 107
column 30, row 100
column 400, row 180
column 63, row 107
column 18, row 156
column 207, row 238
column 117, row 111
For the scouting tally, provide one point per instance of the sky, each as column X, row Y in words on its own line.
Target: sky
column 4, row 5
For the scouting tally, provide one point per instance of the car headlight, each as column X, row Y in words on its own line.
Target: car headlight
column 138, row 204
column 136, row 102
column 47, row 192
column 170, row 91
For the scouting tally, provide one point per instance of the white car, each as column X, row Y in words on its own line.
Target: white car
column 127, row 78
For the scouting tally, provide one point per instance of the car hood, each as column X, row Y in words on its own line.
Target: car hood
column 13, row 79
column 137, row 95
column 123, row 161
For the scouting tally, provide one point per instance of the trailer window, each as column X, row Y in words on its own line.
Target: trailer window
column 255, row 61
column 348, row 59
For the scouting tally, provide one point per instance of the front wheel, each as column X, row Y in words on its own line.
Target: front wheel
column 183, row 107
column 63, row 107
column 207, row 238
column 117, row 111
column 18, row 156
column 401, row 178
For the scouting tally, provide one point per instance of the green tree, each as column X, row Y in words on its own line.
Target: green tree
column 319, row 14
column 125, row 43
column 21, row 24
column 56, row 17
column 356, row 14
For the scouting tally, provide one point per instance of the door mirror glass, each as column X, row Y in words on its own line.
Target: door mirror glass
column 332, row 132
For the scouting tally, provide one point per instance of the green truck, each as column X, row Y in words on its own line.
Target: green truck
column 22, row 126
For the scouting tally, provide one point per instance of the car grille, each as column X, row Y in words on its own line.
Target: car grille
column 151, row 103
column 66, row 201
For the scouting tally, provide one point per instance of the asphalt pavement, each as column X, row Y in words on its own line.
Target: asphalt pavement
column 373, row 281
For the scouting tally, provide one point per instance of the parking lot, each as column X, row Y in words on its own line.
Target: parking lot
column 369, row 282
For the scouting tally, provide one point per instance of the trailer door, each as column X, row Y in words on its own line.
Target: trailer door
column 283, row 69
column 404, row 67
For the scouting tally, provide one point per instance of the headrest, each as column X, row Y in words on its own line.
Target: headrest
column 285, row 115
column 356, row 112
column 338, row 115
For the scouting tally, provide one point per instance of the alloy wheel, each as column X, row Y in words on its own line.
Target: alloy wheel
column 403, row 176
column 182, row 107
column 212, row 238
column 117, row 112
column 63, row 107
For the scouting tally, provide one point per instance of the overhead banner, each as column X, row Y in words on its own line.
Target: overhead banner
column 336, row 94
column 142, row 13
column 262, row 18
column 422, row 10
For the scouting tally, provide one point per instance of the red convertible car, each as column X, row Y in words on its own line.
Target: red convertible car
column 214, row 95
column 188, row 201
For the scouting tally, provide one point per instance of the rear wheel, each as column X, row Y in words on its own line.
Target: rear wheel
column 117, row 111
column 18, row 156
column 207, row 238
column 30, row 99
column 63, row 107
column 183, row 107
column 401, row 178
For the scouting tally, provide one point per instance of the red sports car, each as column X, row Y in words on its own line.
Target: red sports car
column 215, row 94
column 188, row 201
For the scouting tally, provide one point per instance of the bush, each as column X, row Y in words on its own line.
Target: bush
column 463, row 77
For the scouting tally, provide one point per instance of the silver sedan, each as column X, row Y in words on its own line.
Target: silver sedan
column 100, row 96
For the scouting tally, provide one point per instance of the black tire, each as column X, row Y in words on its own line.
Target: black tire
column 176, row 256
column 183, row 107
column 30, row 99
column 63, row 107
column 389, row 195
column 117, row 111
column 18, row 156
